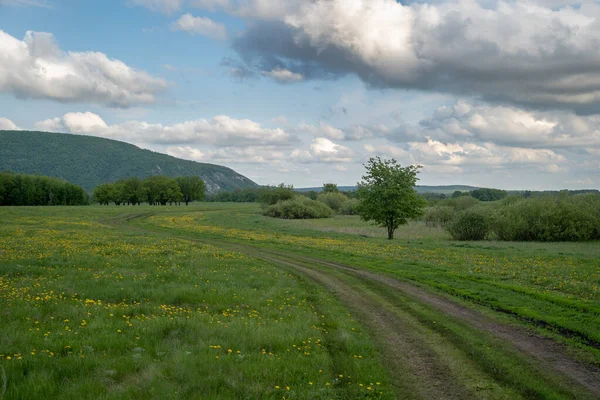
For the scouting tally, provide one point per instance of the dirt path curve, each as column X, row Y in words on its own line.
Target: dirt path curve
column 401, row 342
column 551, row 353
column 415, row 371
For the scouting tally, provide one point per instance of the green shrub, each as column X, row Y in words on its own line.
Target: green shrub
column 270, row 195
column 349, row 207
column 470, row 224
column 549, row 219
column 460, row 203
column 438, row 215
column 299, row 208
column 333, row 200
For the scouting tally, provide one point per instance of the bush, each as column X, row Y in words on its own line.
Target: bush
column 299, row 208
column 272, row 194
column 333, row 200
column 469, row 225
column 438, row 215
column 460, row 203
column 549, row 219
column 349, row 207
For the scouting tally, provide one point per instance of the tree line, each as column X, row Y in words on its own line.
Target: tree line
column 35, row 190
column 155, row 190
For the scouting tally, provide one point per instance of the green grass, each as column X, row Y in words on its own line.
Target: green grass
column 554, row 287
column 93, row 311
column 350, row 224
column 148, row 302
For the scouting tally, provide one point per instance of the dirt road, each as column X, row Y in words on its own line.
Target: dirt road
column 429, row 361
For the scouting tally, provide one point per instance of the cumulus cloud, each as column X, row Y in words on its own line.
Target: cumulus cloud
column 231, row 155
column 360, row 131
column 36, row 68
column 323, row 150
column 433, row 153
column 221, row 130
column 200, row 26
column 7, row 125
column 323, row 129
column 513, row 126
column 523, row 52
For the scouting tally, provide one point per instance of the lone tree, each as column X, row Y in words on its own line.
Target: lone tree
column 192, row 188
column 387, row 195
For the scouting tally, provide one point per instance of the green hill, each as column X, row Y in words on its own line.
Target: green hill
column 89, row 161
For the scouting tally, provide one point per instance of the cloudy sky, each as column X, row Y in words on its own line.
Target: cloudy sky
column 483, row 92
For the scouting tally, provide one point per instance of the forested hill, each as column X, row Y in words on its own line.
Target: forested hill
column 89, row 161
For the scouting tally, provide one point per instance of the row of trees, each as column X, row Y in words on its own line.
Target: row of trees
column 34, row 190
column 153, row 190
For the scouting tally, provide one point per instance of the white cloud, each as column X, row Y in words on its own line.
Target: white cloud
column 462, row 155
column 512, row 126
column 520, row 51
column 283, row 75
column 231, row 155
column 323, row 129
column 200, row 26
column 36, row 68
column 323, row 150
column 7, row 125
column 221, row 130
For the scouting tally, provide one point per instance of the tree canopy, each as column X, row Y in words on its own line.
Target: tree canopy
column 387, row 194
column 34, row 190
column 192, row 188
column 154, row 190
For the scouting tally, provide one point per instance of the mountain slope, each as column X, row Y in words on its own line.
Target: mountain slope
column 89, row 161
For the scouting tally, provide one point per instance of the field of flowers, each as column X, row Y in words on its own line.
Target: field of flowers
column 90, row 310
column 554, row 286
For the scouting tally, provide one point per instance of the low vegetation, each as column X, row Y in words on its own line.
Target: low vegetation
column 99, row 311
column 333, row 200
column 469, row 225
column 547, row 218
column 299, row 207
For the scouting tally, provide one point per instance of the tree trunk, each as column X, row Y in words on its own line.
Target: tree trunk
column 390, row 233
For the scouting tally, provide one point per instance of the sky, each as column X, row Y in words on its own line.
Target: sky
column 488, row 93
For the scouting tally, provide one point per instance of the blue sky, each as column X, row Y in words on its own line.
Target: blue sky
column 478, row 92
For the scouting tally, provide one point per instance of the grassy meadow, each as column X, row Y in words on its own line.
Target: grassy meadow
column 91, row 311
column 147, row 302
column 554, row 286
